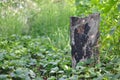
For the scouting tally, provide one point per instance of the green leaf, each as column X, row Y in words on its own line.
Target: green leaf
column 54, row 70
column 74, row 77
column 52, row 78
column 21, row 73
column 61, row 72
column 32, row 74
column 118, row 7
column 2, row 55
column 3, row 77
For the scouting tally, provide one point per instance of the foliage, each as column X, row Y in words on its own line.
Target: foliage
column 110, row 20
column 25, row 57
column 34, row 40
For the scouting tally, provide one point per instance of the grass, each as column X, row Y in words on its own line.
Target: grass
column 34, row 42
column 50, row 20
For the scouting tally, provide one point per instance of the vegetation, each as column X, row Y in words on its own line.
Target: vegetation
column 35, row 44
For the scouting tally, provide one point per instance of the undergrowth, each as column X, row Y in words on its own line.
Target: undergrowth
column 25, row 57
column 35, row 40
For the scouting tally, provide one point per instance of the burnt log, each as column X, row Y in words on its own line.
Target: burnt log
column 84, row 34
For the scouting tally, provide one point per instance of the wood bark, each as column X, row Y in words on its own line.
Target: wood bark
column 84, row 38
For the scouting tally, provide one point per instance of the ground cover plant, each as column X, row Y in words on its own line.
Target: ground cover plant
column 35, row 44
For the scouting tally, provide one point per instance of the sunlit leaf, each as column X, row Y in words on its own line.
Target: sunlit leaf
column 54, row 70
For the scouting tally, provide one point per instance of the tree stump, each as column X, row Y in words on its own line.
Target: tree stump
column 84, row 38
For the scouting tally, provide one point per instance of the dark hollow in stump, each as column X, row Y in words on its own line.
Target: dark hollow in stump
column 84, row 38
